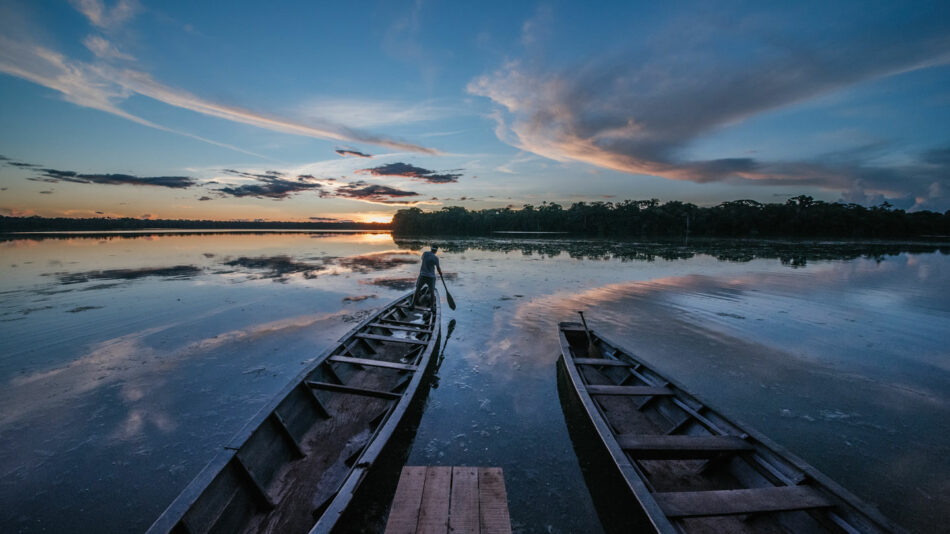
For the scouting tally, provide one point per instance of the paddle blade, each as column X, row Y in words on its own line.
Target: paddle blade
column 448, row 296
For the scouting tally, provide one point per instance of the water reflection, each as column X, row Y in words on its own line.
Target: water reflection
column 178, row 271
column 119, row 379
column 792, row 254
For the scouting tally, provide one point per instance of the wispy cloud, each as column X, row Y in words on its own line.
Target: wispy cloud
column 55, row 176
column 271, row 185
column 174, row 182
column 376, row 113
column 411, row 171
column 79, row 83
column 104, row 49
column 376, row 193
column 636, row 113
column 104, row 17
column 102, row 86
column 143, row 84
column 356, row 153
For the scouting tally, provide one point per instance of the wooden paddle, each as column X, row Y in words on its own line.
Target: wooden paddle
column 593, row 351
column 448, row 296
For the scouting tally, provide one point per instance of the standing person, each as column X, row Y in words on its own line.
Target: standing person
column 430, row 263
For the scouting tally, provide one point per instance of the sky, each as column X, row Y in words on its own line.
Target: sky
column 353, row 110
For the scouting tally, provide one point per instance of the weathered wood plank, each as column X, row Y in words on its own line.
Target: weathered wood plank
column 627, row 390
column 339, row 388
column 680, row 447
column 492, row 502
column 286, row 431
column 397, row 321
column 434, row 512
column 393, row 339
column 404, row 514
column 402, row 326
column 600, row 361
column 463, row 511
column 741, row 501
column 373, row 363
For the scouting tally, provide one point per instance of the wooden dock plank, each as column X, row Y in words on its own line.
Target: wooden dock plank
column 627, row 390
column 404, row 514
column 434, row 513
column 457, row 500
column 463, row 511
column 741, row 501
column 493, row 502
column 680, row 447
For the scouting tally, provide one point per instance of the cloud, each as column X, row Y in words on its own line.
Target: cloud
column 346, row 152
column 374, row 113
column 204, row 198
column 54, row 176
column 141, row 83
column 411, row 171
column 79, row 83
column 638, row 112
column 329, row 220
column 102, row 87
column 104, row 49
column 101, row 16
column 265, row 176
column 271, row 187
column 375, row 193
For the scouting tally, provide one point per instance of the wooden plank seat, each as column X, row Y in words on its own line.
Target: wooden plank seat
column 627, row 390
column 740, row 501
column 340, row 388
column 601, row 362
column 401, row 327
column 680, row 447
column 383, row 320
column 392, row 339
column 440, row 499
column 373, row 363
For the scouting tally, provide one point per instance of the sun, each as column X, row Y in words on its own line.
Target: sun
column 377, row 219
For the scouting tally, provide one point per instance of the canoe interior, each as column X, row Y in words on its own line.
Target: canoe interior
column 300, row 460
column 688, row 467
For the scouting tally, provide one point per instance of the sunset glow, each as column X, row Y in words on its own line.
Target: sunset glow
column 128, row 108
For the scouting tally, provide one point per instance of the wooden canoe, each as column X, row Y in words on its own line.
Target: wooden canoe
column 686, row 468
column 297, row 464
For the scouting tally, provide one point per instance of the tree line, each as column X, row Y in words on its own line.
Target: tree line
column 801, row 216
column 49, row 224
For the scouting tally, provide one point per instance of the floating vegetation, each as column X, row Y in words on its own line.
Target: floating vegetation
column 278, row 266
column 358, row 298
column 178, row 271
column 83, row 308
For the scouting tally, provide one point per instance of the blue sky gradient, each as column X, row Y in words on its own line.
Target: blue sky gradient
column 265, row 111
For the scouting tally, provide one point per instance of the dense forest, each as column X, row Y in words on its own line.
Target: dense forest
column 801, row 216
column 44, row 224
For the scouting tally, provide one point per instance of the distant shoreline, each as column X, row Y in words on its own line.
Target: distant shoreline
column 102, row 224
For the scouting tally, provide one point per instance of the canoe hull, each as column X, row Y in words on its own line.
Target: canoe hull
column 297, row 464
column 686, row 466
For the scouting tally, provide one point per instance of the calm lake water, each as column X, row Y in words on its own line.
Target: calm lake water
column 127, row 361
